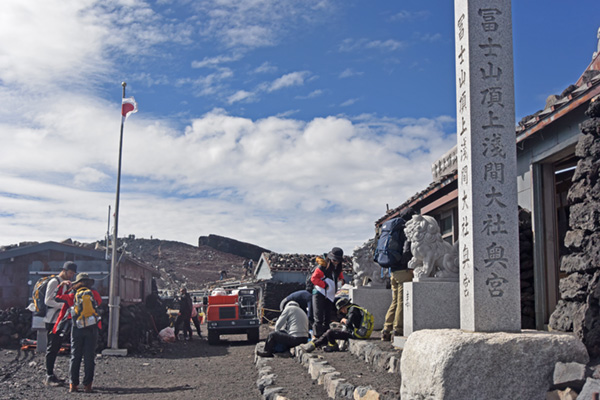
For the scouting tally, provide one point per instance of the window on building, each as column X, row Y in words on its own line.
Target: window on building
column 446, row 222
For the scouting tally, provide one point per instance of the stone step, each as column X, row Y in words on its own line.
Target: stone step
column 321, row 368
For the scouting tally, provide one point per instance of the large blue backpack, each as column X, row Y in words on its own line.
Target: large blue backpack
column 390, row 243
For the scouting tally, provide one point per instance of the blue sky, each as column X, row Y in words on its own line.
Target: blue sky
column 286, row 124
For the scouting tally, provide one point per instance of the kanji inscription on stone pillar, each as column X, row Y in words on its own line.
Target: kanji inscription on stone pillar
column 489, row 233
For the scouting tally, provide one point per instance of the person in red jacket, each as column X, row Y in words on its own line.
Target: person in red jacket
column 324, row 278
column 83, row 339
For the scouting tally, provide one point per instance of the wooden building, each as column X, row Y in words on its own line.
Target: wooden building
column 23, row 265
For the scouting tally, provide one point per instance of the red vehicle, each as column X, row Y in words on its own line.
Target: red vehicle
column 233, row 313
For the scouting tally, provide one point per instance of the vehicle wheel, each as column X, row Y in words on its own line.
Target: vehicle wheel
column 253, row 335
column 213, row 337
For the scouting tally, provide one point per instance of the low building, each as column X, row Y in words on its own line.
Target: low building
column 22, row 266
column 291, row 268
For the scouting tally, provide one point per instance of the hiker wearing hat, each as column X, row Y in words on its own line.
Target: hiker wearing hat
column 357, row 324
column 83, row 302
column 54, row 341
column 324, row 278
column 291, row 329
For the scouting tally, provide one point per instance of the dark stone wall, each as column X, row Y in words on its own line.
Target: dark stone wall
column 578, row 309
column 232, row 246
column 273, row 293
column 526, row 269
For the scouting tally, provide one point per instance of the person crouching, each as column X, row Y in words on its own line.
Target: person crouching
column 357, row 324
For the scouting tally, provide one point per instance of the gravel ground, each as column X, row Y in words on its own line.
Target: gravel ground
column 185, row 370
column 181, row 370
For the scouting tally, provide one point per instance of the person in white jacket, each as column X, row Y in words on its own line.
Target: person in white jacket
column 291, row 329
column 53, row 308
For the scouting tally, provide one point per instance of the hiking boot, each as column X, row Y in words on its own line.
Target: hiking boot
column 52, row 380
column 88, row 388
column 330, row 348
column 343, row 345
column 73, row 388
column 308, row 347
column 386, row 336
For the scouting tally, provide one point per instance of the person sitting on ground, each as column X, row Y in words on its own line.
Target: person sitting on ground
column 291, row 329
column 304, row 300
column 358, row 324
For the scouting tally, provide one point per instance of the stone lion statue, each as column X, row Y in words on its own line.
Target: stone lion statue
column 432, row 256
column 365, row 269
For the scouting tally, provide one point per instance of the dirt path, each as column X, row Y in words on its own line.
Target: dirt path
column 183, row 370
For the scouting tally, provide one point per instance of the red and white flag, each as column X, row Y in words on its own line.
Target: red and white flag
column 129, row 107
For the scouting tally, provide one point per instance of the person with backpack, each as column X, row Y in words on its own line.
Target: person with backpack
column 399, row 274
column 83, row 302
column 52, row 309
column 358, row 323
column 304, row 300
column 324, row 281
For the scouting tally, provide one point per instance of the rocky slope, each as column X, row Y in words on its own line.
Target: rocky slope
column 183, row 264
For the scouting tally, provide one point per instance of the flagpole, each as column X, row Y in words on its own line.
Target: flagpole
column 113, row 299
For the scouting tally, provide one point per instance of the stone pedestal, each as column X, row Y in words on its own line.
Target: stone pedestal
column 451, row 364
column 38, row 325
column 431, row 304
column 377, row 301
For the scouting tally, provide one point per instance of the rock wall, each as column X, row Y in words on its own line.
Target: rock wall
column 578, row 309
column 15, row 324
column 273, row 293
column 232, row 246
column 526, row 269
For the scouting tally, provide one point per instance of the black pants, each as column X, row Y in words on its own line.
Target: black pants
column 196, row 322
column 185, row 321
column 278, row 337
column 52, row 348
column 331, row 336
column 322, row 312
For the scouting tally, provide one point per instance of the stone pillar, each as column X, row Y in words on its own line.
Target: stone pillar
column 488, row 231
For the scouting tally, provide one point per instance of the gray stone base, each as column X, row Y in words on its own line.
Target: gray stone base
column 377, row 301
column 114, row 352
column 456, row 365
column 431, row 305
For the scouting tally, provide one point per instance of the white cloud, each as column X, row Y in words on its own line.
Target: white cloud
column 240, row 95
column 349, row 72
column 257, row 23
column 349, row 102
column 65, row 42
column 287, row 80
column 405, row 15
column 214, row 62
column 311, row 95
column 265, row 67
column 352, row 45
column 208, row 84
column 298, row 186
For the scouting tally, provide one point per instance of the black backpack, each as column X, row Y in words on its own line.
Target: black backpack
column 390, row 244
